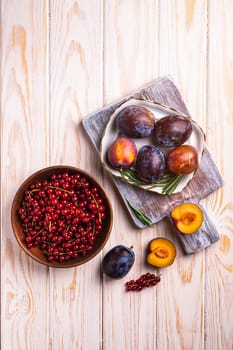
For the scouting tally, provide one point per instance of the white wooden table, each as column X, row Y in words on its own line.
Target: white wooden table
column 60, row 61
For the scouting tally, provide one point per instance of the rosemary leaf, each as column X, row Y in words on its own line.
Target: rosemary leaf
column 168, row 183
column 131, row 176
column 171, row 186
column 140, row 215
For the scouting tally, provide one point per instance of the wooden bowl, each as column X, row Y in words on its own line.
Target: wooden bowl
column 36, row 253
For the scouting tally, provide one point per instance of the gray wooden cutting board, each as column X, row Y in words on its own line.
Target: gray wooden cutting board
column 206, row 180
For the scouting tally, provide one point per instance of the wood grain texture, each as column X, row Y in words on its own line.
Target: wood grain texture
column 183, row 49
column 76, row 89
column 62, row 60
column 219, row 267
column 24, row 137
column 130, row 61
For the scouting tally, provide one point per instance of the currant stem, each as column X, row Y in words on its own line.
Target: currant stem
column 97, row 206
column 59, row 188
column 41, row 230
column 75, row 251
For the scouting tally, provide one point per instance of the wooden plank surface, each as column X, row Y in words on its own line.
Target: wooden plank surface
column 185, row 25
column 219, row 266
column 75, row 90
column 60, row 62
column 24, row 137
column 129, row 62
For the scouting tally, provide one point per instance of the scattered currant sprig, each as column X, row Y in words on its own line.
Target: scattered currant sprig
column 144, row 281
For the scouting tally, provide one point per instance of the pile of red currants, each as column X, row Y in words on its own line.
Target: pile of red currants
column 62, row 216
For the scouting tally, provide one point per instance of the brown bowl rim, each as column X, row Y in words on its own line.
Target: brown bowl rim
column 18, row 196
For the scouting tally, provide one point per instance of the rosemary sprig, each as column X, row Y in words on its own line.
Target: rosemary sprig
column 168, row 183
column 140, row 215
column 171, row 186
column 131, row 176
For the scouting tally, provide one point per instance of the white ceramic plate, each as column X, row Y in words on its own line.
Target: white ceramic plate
column 197, row 140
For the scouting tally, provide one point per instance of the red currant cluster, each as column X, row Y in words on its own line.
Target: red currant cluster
column 146, row 280
column 62, row 216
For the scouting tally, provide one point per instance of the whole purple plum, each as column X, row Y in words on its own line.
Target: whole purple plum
column 172, row 130
column 135, row 121
column 150, row 164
